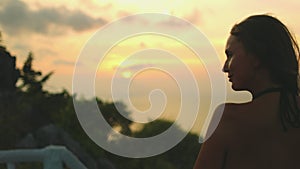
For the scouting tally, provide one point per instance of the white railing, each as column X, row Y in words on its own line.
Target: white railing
column 53, row 157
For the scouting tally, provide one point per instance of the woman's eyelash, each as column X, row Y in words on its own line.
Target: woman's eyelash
column 228, row 53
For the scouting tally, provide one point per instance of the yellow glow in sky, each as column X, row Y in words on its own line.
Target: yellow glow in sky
column 57, row 30
column 123, row 50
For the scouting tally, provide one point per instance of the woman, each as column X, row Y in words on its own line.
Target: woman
column 262, row 58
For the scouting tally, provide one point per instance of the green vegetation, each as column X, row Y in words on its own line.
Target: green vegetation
column 26, row 107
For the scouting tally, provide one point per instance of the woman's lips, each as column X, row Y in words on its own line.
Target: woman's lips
column 229, row 77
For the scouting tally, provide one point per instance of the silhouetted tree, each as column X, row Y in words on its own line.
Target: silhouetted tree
column 32, row 80
column 182, row 156
column 27, row 107
column 113, row 116
column 9, row 74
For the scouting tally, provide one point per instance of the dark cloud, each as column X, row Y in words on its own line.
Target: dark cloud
column 46, row 52
column 20, row 46
column 16, row 17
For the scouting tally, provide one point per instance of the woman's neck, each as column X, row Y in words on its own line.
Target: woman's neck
column 264, row 88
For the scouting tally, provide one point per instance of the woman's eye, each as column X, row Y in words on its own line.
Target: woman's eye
column 228, row 54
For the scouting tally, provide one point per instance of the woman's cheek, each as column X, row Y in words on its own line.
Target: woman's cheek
column 229, row 63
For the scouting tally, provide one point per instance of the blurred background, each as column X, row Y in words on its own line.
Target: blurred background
column 40, row 43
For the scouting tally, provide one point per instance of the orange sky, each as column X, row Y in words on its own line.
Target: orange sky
column 57, row 30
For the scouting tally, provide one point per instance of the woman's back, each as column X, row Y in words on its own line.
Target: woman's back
column 257, row 139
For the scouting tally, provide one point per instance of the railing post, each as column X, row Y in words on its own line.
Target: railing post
column 10, row 166
column 52, row 158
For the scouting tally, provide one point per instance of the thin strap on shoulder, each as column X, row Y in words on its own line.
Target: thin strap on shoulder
column 266, row 91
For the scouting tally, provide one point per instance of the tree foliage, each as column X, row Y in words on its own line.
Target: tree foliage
column 27, row 107
column 32, row 80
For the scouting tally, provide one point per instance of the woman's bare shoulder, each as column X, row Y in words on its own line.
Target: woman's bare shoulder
column 223, row 120
column 227, row 115
column 231, row 111
column 230, row 116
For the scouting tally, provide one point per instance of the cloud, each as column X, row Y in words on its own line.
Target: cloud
column 92, row 5
column 137, row 67
column 123, row 13
column 16, row 17
column 143, row 45
column 173, row 23
column 195, row 17
column 63, row 62
column 128, row 71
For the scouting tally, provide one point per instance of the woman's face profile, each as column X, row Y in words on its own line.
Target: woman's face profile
column 239, row 65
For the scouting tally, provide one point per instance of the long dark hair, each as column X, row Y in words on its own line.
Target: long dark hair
column 270, row 40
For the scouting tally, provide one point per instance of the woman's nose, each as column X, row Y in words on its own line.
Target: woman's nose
column 225, row 67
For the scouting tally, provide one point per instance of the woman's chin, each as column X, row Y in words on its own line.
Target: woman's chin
column 238, row 88
column 235, row 87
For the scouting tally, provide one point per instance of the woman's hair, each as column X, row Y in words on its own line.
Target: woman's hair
column 270, row 40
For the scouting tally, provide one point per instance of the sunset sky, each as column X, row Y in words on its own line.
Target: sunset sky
column 57, row 30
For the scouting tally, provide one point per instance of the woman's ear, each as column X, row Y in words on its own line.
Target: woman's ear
column 256, row 61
